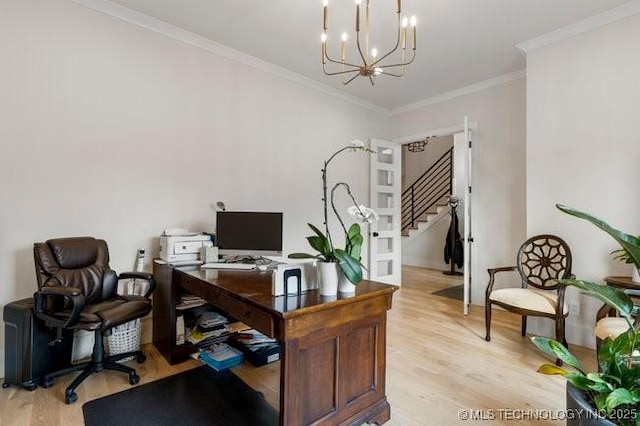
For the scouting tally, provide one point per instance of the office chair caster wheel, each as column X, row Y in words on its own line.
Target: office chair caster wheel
column 30, row 387
column 70, row 397
column 5, row 385
column 133, row 379
column 47, row 382
column 141, row 358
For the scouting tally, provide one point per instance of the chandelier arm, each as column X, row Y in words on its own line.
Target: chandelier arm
column 401, row 64
column 340, row 62
column 344, row 83
column 392, row 74
column 339, row 72
column 392, row 50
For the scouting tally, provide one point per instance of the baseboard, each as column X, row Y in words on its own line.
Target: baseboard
column 577, row 334
column 421, row 262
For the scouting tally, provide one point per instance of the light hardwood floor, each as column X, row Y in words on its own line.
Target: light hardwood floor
column 437, row 364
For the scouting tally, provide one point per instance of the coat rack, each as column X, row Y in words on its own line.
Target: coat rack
column 453, row 246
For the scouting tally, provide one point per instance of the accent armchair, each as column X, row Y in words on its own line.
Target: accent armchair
column 541, row 261
column 77, row 290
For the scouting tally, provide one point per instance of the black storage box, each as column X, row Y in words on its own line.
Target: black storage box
column 29, row 354
column 260, row 357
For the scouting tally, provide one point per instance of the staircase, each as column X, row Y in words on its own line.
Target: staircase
column 425, row 202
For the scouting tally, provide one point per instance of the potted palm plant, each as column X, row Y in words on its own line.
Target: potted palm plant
column 612, row 394
column 622, row 256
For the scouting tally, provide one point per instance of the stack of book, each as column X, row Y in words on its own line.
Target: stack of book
column 208, row 324
column 259, row 349
column 188, row 301
column 221, row 356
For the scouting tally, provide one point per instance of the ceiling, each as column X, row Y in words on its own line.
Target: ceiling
column 460, row 42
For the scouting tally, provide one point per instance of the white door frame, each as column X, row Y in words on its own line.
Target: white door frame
column 471, row 128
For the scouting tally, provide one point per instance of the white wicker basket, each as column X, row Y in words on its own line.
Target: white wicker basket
column 125, row 338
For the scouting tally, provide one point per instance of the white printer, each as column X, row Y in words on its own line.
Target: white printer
column 178, row 245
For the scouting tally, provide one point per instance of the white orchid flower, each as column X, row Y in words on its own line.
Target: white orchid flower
column 356, row 143
column 363, row 214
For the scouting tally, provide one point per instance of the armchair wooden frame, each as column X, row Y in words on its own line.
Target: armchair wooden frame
column 541, row 261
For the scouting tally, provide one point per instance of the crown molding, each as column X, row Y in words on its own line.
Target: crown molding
column 496, row 81
column 160, row 27
column 621, row 12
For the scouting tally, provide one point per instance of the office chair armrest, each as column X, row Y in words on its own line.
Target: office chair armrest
column 71, row 294
column 492, row 275
column 140, row 276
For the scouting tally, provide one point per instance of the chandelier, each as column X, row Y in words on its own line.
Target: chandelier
column 369, row 64
column 418, row 146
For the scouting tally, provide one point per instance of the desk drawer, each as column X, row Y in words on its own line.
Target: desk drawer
column 253, row 317
column 206, row 291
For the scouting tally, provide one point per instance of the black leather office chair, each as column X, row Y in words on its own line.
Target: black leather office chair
column 78, row 291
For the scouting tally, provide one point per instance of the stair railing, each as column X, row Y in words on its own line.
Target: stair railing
column 433, row 185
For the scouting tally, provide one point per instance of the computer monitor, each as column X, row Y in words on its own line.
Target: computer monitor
column 252, row 234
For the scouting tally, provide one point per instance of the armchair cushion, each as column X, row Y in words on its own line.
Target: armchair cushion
column 531, row 299
column 610, row 327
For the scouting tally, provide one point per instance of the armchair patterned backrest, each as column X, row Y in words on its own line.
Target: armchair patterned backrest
column 544, row 259
column 79, row 262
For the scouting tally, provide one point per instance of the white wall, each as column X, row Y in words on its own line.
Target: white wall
column 498, row 171
column 414, row 164
column 115, row 131
column 427, row 249
column 583, row 150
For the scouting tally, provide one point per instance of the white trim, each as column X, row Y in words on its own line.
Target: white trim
column 496, row 81
column 188, row 37
column 421, row 263
column 441, row 131
column 621, row 12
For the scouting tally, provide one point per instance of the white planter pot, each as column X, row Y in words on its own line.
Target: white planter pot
column 344, row 285
column 635, row 276
column 327, row 278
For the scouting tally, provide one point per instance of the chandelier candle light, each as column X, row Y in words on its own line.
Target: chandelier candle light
column 372, row 65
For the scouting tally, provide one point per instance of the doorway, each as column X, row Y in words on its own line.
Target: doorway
column 428, row 245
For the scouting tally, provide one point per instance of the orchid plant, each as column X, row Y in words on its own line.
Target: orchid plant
column 349, row 256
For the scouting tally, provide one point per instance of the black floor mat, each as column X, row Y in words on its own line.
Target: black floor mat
column 201, row 396
column 455, row 292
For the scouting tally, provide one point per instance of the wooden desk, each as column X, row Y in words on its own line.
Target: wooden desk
column 332, row 368
column 623, row 283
